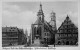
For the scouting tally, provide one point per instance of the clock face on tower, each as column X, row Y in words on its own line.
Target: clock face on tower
column 52, row 23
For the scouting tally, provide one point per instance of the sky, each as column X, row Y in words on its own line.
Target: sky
column 23, row 14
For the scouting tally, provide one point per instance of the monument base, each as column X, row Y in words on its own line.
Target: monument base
column 37, row 43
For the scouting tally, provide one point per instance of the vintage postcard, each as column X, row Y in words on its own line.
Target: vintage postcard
column 51, row 25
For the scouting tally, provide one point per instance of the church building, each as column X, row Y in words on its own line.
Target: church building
column 43, row 30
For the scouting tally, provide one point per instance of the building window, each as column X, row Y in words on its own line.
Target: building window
column 44, row 39
column 59, row 42
column 47, row 39
column 59, row 35
column 63, row 34
column 67, row 35
column 40, row 30
column 46, row 34
column 35, row 30
column 59, row 30
column 65, row 31
column 12, row 30
column 9, row 30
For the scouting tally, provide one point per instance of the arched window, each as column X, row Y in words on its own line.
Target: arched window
column 67, row 43
column 37, row 30
column 34, row 30
column 71, row 43
column 59, row 42
column 40, row 30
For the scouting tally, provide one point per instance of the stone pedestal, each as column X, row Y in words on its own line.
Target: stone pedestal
column 37, row 43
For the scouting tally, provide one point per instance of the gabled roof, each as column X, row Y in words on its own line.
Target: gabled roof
column 48, row 27
column 38, row 22
column 65, row 25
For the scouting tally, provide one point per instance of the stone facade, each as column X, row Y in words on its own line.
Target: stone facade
column 67, row 33
column 12, row 36
column 43, row 30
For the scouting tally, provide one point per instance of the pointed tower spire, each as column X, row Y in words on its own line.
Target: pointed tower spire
column 67, row 16
column 40, row 10
column 40, row 14
column 40, row 6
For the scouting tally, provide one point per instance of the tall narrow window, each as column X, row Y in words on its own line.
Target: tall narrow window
column 35, row 30
column 40, row 30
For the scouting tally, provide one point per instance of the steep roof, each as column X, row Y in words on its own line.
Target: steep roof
column 38, row 22
column 67, row 25
column 48, row 27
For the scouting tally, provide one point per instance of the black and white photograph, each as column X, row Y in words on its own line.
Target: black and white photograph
column 40, row 24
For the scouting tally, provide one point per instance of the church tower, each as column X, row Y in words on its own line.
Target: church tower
column 53, row 24
column 40, row 14
column 38, row 26
column 53, row 20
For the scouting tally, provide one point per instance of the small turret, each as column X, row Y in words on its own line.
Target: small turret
column 53, row 16
column 53, row 20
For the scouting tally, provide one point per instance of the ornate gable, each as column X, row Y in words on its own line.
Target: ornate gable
column 67, row 26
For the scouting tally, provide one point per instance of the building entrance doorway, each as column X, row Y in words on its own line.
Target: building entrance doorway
column 67, row 43
column 59, row 42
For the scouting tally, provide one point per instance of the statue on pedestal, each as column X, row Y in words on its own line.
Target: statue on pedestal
column 37, row 43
